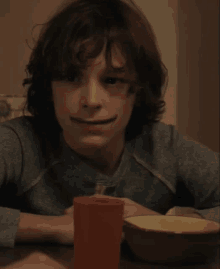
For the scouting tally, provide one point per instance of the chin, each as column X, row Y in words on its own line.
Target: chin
column 94, row 140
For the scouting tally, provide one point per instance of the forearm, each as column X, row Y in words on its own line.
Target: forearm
column 212, row 214
column 133, row 209
column 35, row 228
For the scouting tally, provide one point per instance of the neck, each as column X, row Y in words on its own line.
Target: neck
column 105, row 159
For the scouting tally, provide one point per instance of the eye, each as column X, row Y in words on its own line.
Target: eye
column 66, row 78
column 72, row 78
column 112, row 80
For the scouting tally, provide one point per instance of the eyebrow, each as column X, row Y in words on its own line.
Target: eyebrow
column 117, row 70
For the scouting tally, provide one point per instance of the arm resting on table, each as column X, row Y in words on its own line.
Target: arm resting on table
column 211, row 214
column 16, row 227
column 35, row 228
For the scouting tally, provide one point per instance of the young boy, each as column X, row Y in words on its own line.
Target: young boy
column 95, row 95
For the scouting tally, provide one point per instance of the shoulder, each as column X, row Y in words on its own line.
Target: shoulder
column 167, row 137
column 22, row 142
column 14, row 128
column 18, row 124
column 17, row 148
column 160, row 134
column 21, row 131
column 163, row 132
column 153, row 141
column 22, row 127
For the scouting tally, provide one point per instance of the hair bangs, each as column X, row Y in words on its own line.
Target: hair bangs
column 70, row 48
column 87, row 44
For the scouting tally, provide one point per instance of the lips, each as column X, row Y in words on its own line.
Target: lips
column 93, row 122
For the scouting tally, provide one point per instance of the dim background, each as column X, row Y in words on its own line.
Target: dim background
column 188, row 38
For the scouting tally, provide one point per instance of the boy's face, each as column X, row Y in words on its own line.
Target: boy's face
column 96, row 95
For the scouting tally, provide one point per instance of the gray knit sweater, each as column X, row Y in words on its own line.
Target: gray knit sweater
column 159, row 169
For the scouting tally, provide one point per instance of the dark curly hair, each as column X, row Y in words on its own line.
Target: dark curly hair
column 62, row 48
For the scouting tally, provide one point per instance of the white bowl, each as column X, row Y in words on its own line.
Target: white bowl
column 172, row 239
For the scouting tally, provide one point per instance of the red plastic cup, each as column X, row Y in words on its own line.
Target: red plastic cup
column 98, row 224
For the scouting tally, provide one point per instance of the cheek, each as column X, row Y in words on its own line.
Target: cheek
column 128, row 106
column 64, row 103
column 125, row 111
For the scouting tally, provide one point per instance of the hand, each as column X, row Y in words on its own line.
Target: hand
column 131, row 209
column 35, row 261
column 65, row 224
column 184, row 212
column 64, row 227
column 70, row 211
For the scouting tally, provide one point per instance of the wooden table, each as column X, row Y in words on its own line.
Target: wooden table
column 64, row 255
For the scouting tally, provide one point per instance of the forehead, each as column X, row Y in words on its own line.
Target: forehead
column 117, row 59
column 116, row 64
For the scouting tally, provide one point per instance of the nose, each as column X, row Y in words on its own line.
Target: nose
column 92, row 96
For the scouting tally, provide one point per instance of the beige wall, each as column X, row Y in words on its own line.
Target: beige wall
column 16, row 22
column 198, row 71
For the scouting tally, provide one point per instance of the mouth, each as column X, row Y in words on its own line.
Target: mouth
column 102, row 122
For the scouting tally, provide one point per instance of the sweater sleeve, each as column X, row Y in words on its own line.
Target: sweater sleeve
column 197, row 183
column 10, row 170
